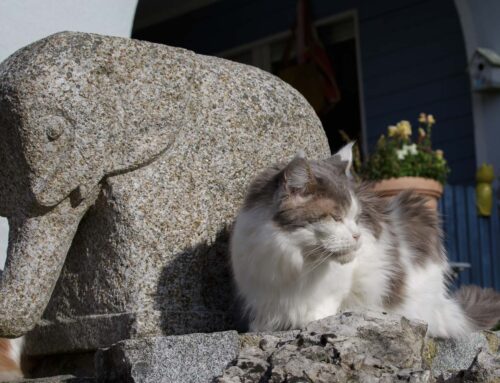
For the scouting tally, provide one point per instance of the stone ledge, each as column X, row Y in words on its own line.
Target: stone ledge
column 56, row 379
column 348, row 347
column 365, row 347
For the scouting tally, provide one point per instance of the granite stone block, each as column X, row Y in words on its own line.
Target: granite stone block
column 185, row 358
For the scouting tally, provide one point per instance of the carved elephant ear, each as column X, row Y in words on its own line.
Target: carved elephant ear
column 94, row 111
column 36, row 150
column 49, row 143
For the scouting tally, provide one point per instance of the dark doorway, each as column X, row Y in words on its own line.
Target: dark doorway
column 346, row 114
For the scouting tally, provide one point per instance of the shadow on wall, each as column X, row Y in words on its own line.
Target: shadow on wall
column 194, row 290
column 216, row 286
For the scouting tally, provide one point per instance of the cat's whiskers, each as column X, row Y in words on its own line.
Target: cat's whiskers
column 317, row 265
column 322, row 258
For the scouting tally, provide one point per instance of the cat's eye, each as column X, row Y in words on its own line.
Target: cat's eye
column 336, row 218
column 55, row 130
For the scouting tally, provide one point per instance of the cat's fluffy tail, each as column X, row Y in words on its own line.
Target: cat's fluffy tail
column 10, row 359
column 482, row 306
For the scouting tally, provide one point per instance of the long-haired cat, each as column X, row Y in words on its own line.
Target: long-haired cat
column 309, row 242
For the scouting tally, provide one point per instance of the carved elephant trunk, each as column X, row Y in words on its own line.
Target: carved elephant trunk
column 28, row 277
column 123, row 166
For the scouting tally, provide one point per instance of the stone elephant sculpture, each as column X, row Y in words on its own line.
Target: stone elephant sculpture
column 122, row 164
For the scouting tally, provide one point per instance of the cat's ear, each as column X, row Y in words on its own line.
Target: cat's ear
column 345, row 156
column 298, row 177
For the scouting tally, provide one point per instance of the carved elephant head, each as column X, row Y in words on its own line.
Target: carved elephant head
column 68, row 118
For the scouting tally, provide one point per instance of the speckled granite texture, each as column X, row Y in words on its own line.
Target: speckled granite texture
column 194, row 358
column 123, row 163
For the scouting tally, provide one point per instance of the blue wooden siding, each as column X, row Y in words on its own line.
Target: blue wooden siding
column 412, row 54
column 470, row 238
column 414, row 61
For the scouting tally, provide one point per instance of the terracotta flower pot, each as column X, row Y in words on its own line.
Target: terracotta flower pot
column 427, row 187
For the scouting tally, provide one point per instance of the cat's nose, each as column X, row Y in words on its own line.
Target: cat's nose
column 356, row 236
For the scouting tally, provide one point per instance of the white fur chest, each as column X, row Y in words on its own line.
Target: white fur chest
column 372, row 270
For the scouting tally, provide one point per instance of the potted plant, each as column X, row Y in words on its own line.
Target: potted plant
column 399, row 163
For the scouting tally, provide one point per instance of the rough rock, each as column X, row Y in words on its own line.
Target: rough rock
column 364, row 347
column 474, row 358
column 447, row 356
column 186, row 358
column 348, row 347
column 123, row 164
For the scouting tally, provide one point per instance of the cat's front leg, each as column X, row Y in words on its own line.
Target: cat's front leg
column 324, row 307
column 331, row 290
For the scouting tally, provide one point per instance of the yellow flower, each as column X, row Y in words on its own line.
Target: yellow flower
column 404, row 129
column 430, row 119
column 421, row 133
column 392, row 131
column 422, row 118
column 439, row 154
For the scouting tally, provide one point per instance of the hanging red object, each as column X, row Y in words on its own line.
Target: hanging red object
column 312, row 74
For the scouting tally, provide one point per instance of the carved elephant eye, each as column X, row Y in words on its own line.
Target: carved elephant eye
column 55, row 130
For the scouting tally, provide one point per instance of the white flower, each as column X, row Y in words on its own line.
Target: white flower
column 407, row 149
column 411, row 149
column 401, row 153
